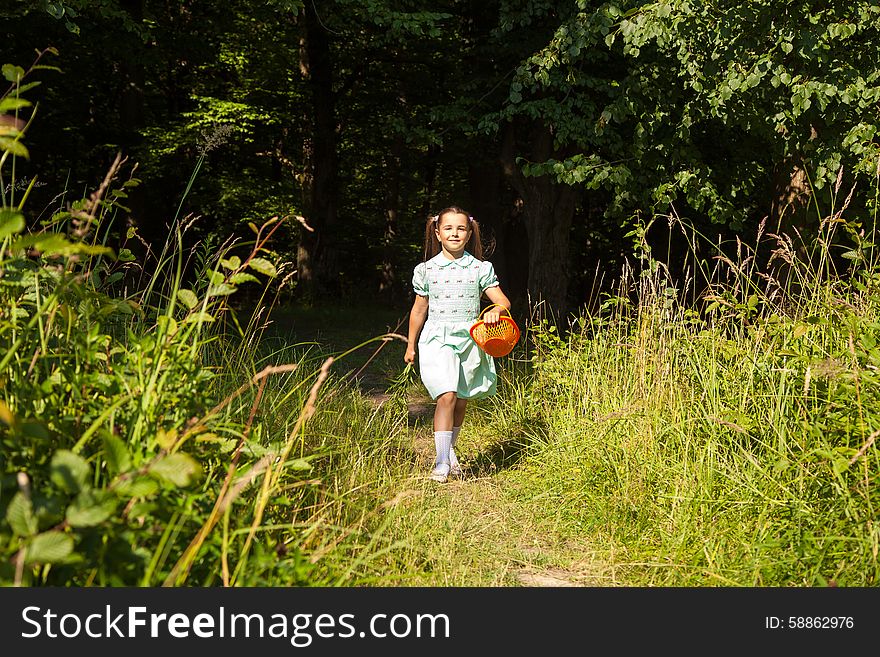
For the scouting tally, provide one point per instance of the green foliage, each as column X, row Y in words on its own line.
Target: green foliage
column 396, row 23
column 700, row 103
column 72, row 12
column 109, row 442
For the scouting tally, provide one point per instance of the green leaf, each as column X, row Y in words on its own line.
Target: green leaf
column 225, row 445
column 167, row 325
column 166, row 438
column 233, row 262
column 14, row 146
column 221, row 290
column 125, row 255
column 20, row 515
column 69, row 471
column 116, row 453
column 195, row 318
column 36, row 83
column 90, row 508
column 11, row 222
column 263, row 266
column 243, row 277
column 140, row 487
column 839, row 464
column 179, row 469
column 12, row 73
column 50, row 243
column 49, row 547
column 8, row 104
column 55, row 9
column 188, row 298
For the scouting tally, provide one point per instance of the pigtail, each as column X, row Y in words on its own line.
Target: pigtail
column 432, row 244
column 475, row 243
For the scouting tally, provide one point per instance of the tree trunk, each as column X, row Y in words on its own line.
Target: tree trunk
column 316, row 255
column 485, row 192
column 429, row 178
column 131, row 115
column 389, row 284
column 548, row 209
column 504, row 240
column 791, row 197
column 131, row 101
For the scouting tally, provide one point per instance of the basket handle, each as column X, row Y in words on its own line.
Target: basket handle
column 492, row 305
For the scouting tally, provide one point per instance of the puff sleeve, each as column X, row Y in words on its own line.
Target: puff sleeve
column 420, row 280
column 487, row 276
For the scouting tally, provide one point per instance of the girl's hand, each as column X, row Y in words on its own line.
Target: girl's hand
column 492, row 317
column 410, row 355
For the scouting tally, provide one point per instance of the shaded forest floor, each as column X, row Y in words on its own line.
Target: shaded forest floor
column 484, row 528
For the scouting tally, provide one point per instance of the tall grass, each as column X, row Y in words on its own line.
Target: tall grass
column 731, row 443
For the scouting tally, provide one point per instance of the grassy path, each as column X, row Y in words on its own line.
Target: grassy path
column 481, row 529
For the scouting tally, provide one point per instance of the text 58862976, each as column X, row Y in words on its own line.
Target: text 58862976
column 809, row 622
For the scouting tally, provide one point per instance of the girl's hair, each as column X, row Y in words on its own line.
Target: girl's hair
column 432, row 245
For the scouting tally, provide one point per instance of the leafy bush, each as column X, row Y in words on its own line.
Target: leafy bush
column 119, row 434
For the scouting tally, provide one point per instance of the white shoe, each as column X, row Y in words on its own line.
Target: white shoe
column 454, row 467
column 440, row 473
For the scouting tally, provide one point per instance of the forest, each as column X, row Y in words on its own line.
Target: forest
column 210, row 217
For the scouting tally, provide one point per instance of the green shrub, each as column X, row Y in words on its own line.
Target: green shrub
column 122, row 440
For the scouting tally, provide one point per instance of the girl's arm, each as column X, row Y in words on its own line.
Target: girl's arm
column 495, row 296
column 417, row 317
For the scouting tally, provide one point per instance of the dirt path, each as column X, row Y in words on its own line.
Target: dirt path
column 487, row 528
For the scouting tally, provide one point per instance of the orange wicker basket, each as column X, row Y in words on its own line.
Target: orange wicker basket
column 496, row 339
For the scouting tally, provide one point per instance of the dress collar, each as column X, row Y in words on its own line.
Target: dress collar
column 442, row 261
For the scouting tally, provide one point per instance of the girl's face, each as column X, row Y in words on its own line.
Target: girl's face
column 453, row 230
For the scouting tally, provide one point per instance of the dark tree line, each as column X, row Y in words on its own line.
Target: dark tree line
column 560, row 124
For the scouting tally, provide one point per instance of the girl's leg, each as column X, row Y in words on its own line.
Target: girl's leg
column 444, row 411
column 458, row 415
column 444, row 414
column 457, row 421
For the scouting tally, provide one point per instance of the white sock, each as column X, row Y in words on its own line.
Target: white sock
column 442, row 443
column 453, row 460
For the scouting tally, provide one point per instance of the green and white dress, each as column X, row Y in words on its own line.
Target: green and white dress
column 449, row 359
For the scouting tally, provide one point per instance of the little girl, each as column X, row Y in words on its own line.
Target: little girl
column 448, row 287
